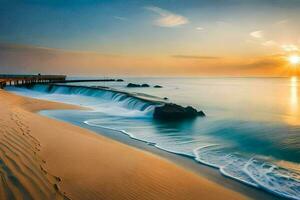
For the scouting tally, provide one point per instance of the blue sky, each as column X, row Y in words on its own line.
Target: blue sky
column 167, row 28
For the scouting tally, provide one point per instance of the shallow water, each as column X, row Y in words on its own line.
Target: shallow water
column 251, row 132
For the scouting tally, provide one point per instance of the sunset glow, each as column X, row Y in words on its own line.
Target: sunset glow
column 294, row 59
column 150, row 99
column 150, row 38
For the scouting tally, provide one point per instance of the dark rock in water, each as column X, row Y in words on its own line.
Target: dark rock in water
column 120, row 80
column 145, row 85
column 157, row 86
column 133, row 85
column 166, row 98
column 201, row 113
column 173, row 112
column 137, row 85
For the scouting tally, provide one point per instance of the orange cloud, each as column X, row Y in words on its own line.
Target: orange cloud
column 31, row 59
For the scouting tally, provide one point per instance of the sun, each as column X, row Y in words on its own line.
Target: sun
column 294, row 59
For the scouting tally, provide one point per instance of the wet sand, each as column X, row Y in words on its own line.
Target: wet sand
column 42, row 158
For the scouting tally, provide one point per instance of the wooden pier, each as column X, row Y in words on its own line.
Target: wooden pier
column 17, row 80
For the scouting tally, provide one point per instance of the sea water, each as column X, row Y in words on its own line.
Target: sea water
column 251, row 132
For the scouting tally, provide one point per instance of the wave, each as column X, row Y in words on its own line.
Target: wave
column 145, row 104
column 93, row 122
column 256, row 172
column 132, row 104
column 274, row 178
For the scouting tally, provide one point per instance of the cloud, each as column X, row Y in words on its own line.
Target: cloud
column 20, row 48
column 269, row 43
column 167, row 18
column 15, row 58
column 222, row 23
column 257, row 34
column 120, row 18
column 27, row 59
column 196, row 57
column 262, row 64
column 284, row 21
column 289, row 47
column 199, row 28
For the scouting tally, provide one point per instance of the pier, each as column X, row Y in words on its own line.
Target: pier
column 17, row 80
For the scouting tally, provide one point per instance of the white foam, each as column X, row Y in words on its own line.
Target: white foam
column 275, row 179
column 254, row 172
column 110, row 103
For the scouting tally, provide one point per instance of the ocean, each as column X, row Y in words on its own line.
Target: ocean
column 251, row 132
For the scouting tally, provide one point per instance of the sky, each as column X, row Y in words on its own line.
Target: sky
column 150, row 37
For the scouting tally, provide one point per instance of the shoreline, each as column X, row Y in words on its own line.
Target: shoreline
column 91, row 166
column 184, row 161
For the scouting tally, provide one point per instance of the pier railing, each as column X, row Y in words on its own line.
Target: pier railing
column 28, row 79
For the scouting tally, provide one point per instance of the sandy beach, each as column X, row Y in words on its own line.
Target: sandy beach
column 150, row 100
column 42, row 158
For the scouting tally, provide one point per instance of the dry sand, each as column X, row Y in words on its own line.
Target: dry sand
column 42, row 158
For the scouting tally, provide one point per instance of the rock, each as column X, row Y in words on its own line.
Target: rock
column 166, row 98
column 157, row 86
column 174, row 112
column 145, row 85
column 137, row 85
column 133, row 85
column 201, row 113
column 120, row 80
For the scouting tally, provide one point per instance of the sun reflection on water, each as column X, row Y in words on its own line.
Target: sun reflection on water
column 294, row 102
column 294, row 93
